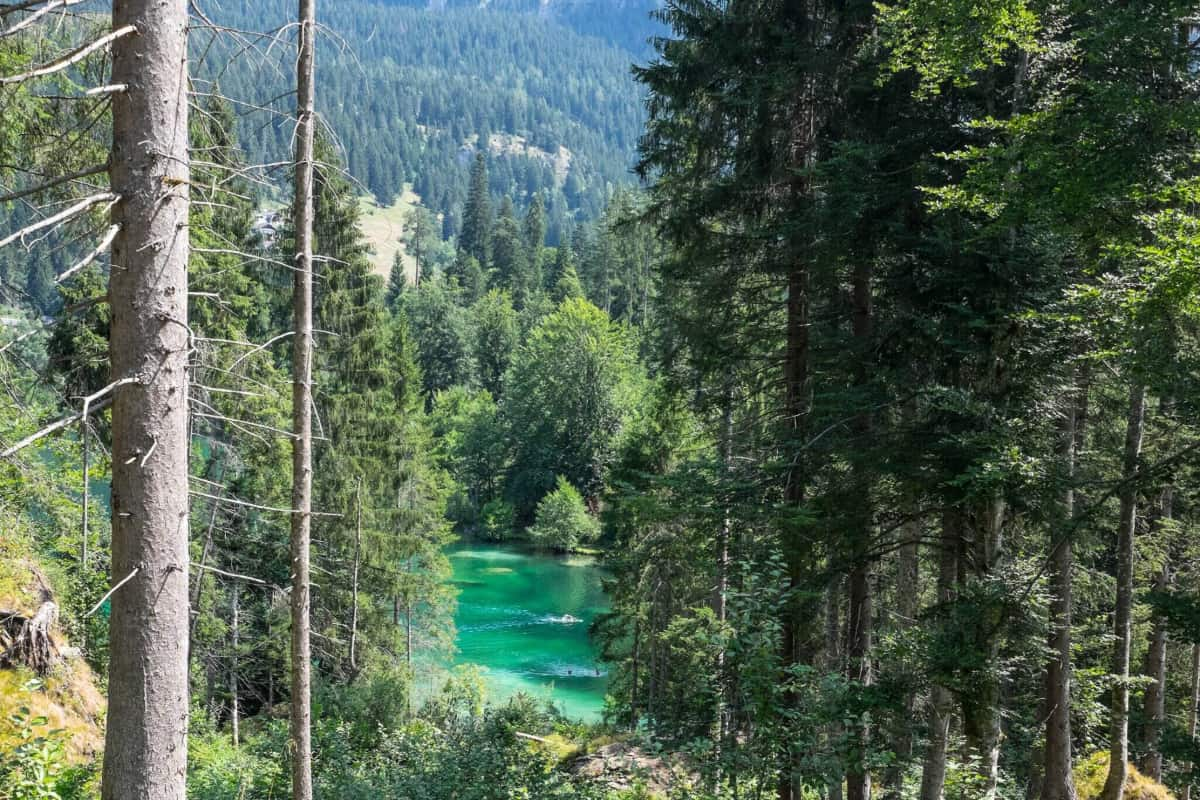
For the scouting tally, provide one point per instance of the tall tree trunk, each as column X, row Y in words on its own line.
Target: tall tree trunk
column 834, row 665
column 1057, row 780
column 796, row 404
column 1193, row 711
column 1114, row 785
column 145, row 753
column 302, row 357
column 981, row 709
column 1154, row 700
column 941, row 702
column 908, row 585
column 721, row 592
column 859, row 616
column 234, row 710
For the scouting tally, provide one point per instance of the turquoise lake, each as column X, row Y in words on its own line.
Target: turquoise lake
column 524, row 617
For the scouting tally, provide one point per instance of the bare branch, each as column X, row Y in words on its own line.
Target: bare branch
column 62, row 216
column 258, row 507
column 112, row 591
column 101, row 248
column 36, row 15
column 73, row 57
column 59, row 181
column 90, row 404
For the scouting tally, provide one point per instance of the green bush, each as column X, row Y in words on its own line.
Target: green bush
column 563, row 522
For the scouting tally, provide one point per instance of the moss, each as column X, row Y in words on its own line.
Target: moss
column 1091, row 773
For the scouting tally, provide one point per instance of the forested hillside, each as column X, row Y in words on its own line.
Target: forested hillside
column 555, row 111
column 870, row 409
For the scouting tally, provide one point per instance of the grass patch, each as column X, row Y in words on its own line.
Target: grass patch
column 1091, row 773
column 383, row 227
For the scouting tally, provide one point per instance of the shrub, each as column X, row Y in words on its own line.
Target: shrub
column 563, row 522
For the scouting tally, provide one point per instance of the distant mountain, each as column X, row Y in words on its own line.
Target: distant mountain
column 411, row 92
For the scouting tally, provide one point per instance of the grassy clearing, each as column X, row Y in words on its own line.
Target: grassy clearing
column 383, row 227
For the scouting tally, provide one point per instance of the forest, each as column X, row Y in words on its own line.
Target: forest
column 851, row 356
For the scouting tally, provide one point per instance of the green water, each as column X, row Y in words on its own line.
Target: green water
column 514, row 610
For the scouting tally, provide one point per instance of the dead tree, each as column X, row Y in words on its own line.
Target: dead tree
column 302, row 357
column 145, row 752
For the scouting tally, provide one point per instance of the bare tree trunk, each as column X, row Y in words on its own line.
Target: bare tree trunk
column 302, row 357
column 145, row 751
column 1114, row 785
column 941, row 703
column 1057, row 782
column 354, row 581
column 234, row 711
column 1194, row 711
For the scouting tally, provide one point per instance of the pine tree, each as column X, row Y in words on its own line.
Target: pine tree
column 475, row 238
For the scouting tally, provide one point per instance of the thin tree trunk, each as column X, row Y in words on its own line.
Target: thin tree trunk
column 834, row 665
column 83, row 523
column 1154, row 700
column 941, row 705
column 302, row 357
column 354, row 581
column 796, row 410
column 408, row 635
column 908, row 584
column 859, row 617
column 1194, row 711
column 721, row 593
column 1123, row 616
column 145, row 753
column 1057, row 780
column 234, row 711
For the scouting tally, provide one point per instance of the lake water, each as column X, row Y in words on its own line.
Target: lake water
column 524, row 617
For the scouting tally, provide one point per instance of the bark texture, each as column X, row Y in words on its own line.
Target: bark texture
column 302, row 357
column 145, row 750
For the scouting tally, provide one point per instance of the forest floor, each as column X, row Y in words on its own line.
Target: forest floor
column 383, row 227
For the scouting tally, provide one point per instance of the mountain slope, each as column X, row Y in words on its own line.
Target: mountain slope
column 412, row 92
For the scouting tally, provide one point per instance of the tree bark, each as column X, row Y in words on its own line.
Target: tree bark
column 1057, row 780
column 302, row 357
column 145, row 751
column 941, row 702
column 1114, row 785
